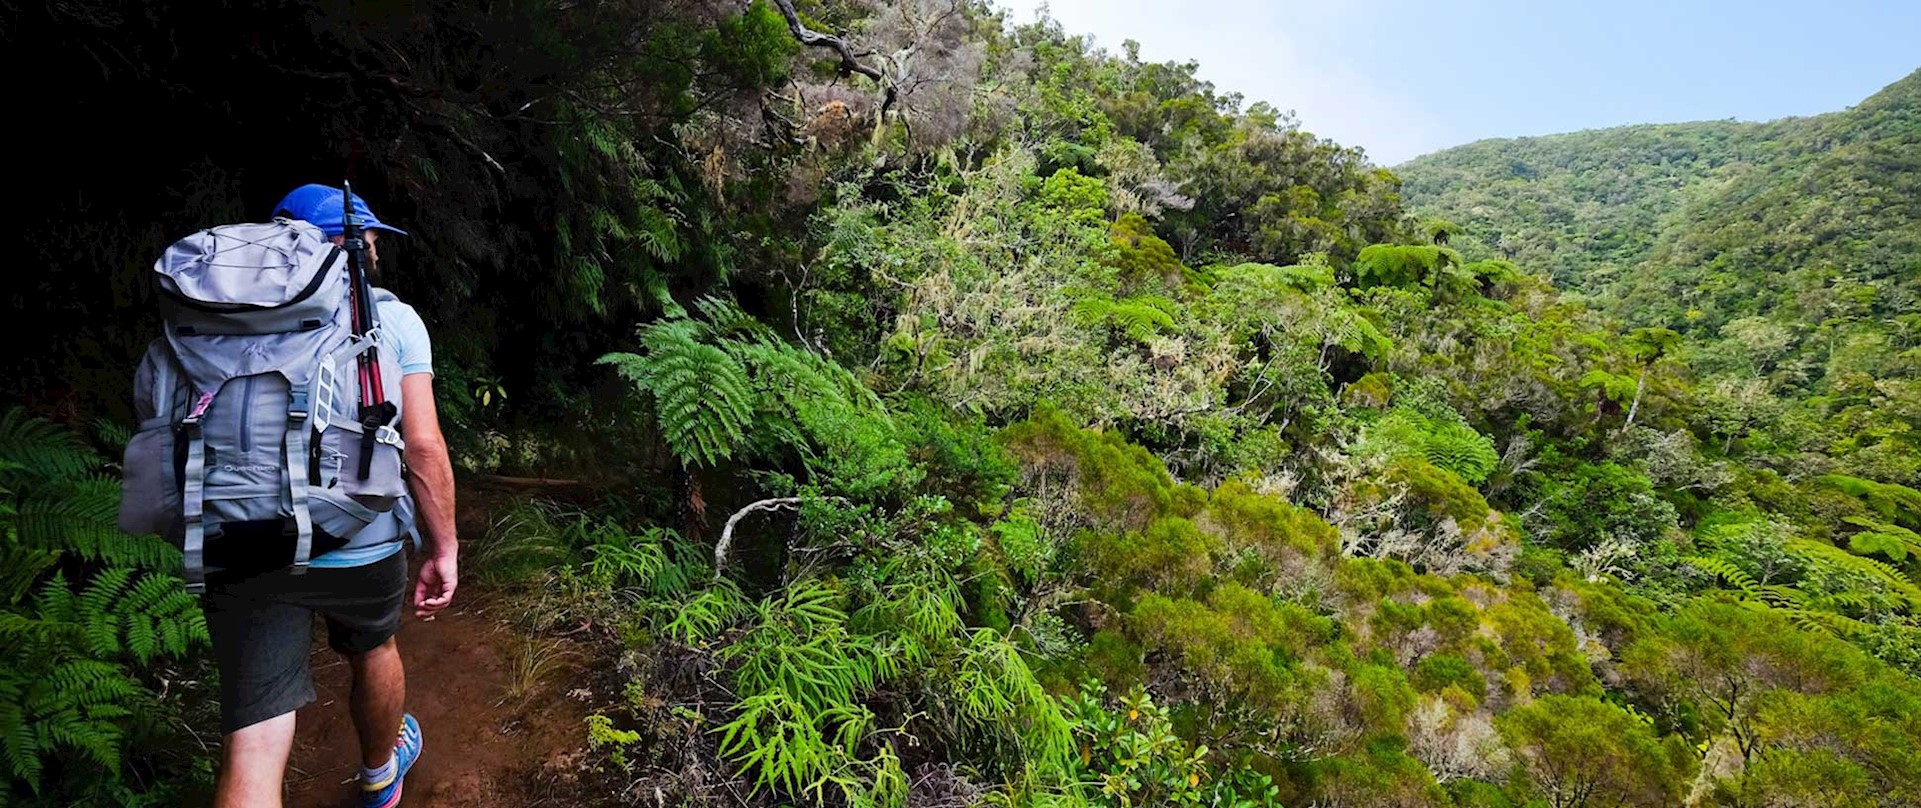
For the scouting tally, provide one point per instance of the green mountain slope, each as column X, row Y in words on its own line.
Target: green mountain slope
column 1833, row 206
column 1580, row 206
column 1788, row 253
column 1590, row 208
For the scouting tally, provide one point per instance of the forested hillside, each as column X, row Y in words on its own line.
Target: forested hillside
column 1583, row 207
column 1626, row 214
column 982, row 418
column 1787, row 254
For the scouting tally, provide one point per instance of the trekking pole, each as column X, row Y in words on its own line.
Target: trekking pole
column 376, row 412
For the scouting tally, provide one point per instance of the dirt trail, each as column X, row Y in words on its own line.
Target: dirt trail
column 482, row 747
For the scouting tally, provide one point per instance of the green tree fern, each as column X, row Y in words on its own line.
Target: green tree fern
column 725, row 387
column 1141, row 318
column 83, row 609
column 700, row 393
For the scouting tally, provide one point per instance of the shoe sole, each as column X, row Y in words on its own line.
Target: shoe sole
column 395, row 800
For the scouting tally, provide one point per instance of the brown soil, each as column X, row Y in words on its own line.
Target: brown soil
column 492, row 738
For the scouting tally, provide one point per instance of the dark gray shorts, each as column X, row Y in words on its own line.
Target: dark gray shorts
column 262, row 629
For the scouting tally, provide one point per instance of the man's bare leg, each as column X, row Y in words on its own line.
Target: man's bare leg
column 379, row 694
column 253, row 761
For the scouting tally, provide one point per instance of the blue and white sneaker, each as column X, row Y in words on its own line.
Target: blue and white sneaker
column 406, row 751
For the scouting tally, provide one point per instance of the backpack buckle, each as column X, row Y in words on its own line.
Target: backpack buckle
column 200, row 407
column 390, row 436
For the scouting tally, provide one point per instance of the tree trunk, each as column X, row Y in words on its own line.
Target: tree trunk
column 692, row 504
column 1640, row 385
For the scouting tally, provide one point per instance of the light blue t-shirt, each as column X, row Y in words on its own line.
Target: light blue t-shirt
column 402, row 332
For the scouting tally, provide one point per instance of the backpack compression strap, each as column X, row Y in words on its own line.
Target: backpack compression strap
column 193, row 485
column 296, row 448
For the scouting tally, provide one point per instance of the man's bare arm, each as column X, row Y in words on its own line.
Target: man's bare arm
column 431, row 479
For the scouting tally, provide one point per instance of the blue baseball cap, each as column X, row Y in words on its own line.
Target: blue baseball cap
column 320, row 206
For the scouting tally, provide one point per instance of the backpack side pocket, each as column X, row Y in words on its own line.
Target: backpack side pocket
column 150, row 481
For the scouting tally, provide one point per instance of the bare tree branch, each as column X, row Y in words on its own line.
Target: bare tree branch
column 849, row 60
column 815, row 39
column 727, row 532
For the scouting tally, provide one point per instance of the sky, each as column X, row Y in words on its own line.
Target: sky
column 1402, row 78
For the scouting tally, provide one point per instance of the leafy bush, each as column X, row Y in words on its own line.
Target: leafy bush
column 1579, row 749
column 1130, row 755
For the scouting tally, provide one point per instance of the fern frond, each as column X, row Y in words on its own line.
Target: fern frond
column 812, row 606
column 83, row 681
column 113, row 434
column 728, row 320
column 1880, row 572
column 67, row 696
column 1457, row 447
column 156, row 616
column 98, row 597
column 702, row 398
column 622, row 561
column 42, row 450
column 55, row 601
column 1354, row 332
column 658, row 233
column 799, row 645
column 705, row 615
column 996, row 690
column 82, row 516
column 1140, row 318
column 17, row 630
column 142, row 641
column 1091, row 311
column 1779, row 596
column 20, row 567
column 1896, row 502
column 921, row 617
column 1143, row 318
column 98, row 741
column 777, row 740
column 1890, row 540
column 20, row 743
column 1840, row 602
column 1823, row 622
column 1727, row 571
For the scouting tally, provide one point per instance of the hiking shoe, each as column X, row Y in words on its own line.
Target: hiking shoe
column 406, row 751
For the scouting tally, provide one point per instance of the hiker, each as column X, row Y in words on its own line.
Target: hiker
column 293, row 456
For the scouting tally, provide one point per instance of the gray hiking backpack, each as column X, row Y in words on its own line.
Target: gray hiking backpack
column 249, row 450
